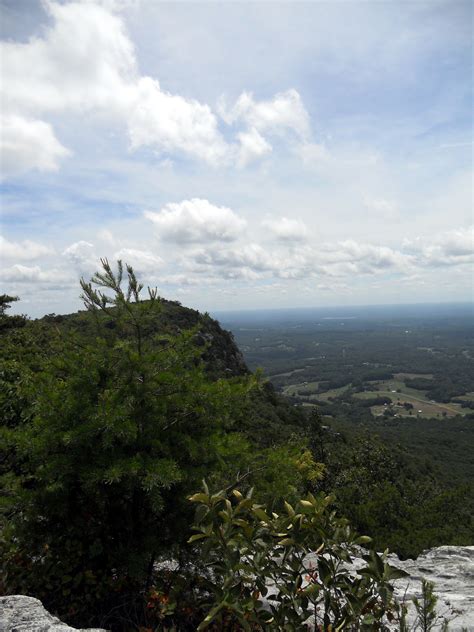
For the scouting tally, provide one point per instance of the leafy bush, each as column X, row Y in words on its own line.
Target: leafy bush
column 262, row 578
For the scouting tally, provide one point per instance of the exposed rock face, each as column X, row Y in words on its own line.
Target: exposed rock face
column 451, row 569
column 26, row 614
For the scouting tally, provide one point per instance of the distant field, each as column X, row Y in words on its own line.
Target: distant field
column 334, row 392
column 421, row 406
column 395, row 385
column 311, row 388
column 419, row 400
column 468, row 397
column 412, row 376
column 287, row 374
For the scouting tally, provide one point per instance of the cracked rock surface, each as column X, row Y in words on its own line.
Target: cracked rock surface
column 27, row 614
column 451, row 569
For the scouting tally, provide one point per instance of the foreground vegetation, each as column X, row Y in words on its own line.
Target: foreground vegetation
column 110, row 420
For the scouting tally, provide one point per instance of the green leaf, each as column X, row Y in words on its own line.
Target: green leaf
column 199, row 498
column 260, row 513
column 211, row 616
column 197, row 536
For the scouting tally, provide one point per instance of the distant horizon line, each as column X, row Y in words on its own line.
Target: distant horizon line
column 17, row 308
column 343, row 306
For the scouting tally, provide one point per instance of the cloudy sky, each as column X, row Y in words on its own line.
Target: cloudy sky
column 238, row 155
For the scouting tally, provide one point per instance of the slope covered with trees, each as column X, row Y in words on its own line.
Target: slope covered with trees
column 110, row 420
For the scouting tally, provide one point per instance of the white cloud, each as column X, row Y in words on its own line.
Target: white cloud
column 85, row 62
column 285, row 112
column 343, row 259
column 252, row 146
column 286, row 229
column 170, row 122
column 141, row 260
column 251, row 256
column 454, row 247
column 23, row 250
column 28, row 144
column 351, row 256
column 19, row 273
column 196, row 220
column 55, row 74
column 81, row 255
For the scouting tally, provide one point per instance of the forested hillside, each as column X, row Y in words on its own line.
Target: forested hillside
column 112, row 417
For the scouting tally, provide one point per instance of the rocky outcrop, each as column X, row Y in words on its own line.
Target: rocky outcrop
column 451, row 569
column 26, row 614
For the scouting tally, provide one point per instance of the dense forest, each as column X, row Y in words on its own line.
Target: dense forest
column 112, row 418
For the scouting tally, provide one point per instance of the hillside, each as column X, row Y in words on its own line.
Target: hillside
column 122, row 410
column 271, row 418
column 222, row 355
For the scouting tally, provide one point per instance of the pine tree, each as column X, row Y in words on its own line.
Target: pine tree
column 123, row 426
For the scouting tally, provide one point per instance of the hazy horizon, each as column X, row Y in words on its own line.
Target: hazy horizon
column 296, row 312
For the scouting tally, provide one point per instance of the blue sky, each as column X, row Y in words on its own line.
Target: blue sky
column 239, row 155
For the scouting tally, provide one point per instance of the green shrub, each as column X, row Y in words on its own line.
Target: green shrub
column 261, row 576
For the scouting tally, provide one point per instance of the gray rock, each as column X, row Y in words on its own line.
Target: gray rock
column 27, row 614
column 451, row 569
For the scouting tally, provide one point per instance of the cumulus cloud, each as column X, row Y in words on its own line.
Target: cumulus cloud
column 252, row 146
column 251, row 256
column 196, row 220
column 285, row 112
column 82, row 256
column 19, row 273
column 170, row 122
column 454, row 247
column 286, row 229
column 253, row 261
column 23, row 250
column 141, row 260
column 289, row 261
column 53, row 73
column 27, row 144
column 351, row 256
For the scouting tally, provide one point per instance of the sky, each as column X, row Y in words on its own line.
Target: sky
column 238, row 154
